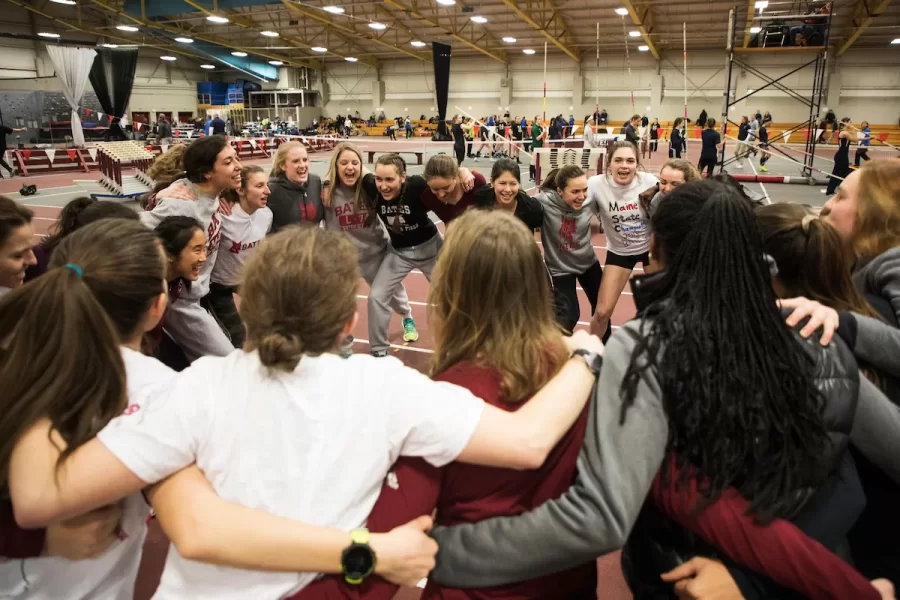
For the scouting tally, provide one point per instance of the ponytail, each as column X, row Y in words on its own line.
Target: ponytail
column 67, row 369
column 103, row 278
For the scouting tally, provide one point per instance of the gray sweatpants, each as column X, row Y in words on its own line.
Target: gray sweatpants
column 195, row 330
column 396, row 265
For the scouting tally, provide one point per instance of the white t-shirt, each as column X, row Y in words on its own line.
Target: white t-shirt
column 241, row 233
column 625, row 225
column 112, row 575
column 312, row 445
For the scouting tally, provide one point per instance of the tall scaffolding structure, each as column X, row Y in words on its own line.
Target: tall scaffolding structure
column 813, row 102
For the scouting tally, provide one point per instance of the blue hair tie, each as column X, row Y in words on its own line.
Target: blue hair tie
column 75, row 268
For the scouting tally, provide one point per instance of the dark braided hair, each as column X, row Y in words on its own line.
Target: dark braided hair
column 737, row 388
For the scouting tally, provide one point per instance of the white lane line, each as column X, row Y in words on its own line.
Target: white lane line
column 761, row 186
column 396, row 346
column 364, row 297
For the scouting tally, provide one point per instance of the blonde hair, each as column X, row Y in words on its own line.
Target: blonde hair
column 168, row 166
column 441, row 165
column 490, row 303
column 878, row 210
column 297, row 294
column 281, row 157
column 687, row 168
column 334, row 178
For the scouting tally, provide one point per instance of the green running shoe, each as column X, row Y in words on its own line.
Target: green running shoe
column 409, row 330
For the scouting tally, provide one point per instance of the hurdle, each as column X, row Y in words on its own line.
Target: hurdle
column 589, row 159
column 112, row 156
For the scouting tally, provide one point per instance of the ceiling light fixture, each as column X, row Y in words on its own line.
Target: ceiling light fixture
column 634, row 34
column 110, row 45
column 335, row 10
column 621, row 11
column 351, row 59
column 268, row 33
column 446, row 2
column 509, row 40
column 207, row 66
column 896, row 41
column 755, row 29
column 319, row 49
column 216, row 19
column 45, row 34
column 184, row 40
column 528, row 51
column 378, row 26
column 66, row 2
column 167, row 58
column 239, row 54
column 275, row 63
column 479, row 20
column 643, row 48
column 417, row 44
column 128, row 28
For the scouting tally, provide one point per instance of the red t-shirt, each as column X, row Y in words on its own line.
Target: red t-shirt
column 448, row 212
column 466, row 493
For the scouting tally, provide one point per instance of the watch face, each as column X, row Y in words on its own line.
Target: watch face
column 358, row 561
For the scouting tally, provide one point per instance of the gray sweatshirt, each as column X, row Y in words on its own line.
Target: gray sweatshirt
column 566, row 235
column 881, row 277
column 343, row 215
column 616, row 468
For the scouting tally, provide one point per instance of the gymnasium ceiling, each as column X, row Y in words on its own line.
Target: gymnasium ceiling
column 308, row 35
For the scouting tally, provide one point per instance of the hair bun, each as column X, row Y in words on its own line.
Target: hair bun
column 282, row 352
column 807, row 219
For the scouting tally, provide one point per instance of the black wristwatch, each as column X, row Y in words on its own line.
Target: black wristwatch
column 593, row 360
column 358, row 560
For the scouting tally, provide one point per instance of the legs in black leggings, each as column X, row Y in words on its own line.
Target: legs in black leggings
column 460, row 151
column 565, row 298
column 862, row 153
column 6, row 166
column 707, row 163
column 841, row 169
column 220, row 302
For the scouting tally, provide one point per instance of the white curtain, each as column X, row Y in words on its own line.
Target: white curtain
column 73, row 65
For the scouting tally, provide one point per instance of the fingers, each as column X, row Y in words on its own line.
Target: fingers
column 688, row 569
column 424, row 523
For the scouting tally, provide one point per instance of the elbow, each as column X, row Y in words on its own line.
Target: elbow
column 191, row 544
column 31, row 515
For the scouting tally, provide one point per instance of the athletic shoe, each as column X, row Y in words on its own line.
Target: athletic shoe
column 763, row 170
column 379, row 353
column 409, row 330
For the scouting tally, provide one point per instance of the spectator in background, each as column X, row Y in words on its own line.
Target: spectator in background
column 5, row 130
column 217, row 125
column 163, row 130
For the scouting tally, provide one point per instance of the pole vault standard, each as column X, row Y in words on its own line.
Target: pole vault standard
column 597, row 90
column 628, row 65
column 545, row 83
column 684, row 127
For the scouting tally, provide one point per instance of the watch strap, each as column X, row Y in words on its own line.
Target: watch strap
column 360, row 536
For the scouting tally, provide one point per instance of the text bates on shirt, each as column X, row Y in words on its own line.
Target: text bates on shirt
column 396, row 215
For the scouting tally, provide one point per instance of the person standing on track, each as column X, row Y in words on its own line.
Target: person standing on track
column 538, row 135
column 242, row 230
column 676, row 139
column 6, row 130
column 459, row 139
column 296, row 194
column 841, row 156
column 709, row 153
column 862, row 147
column 654, row 136
column 588, row 134
column 742, row 148
column 566, row 238
column 631, row 131
column 211, row 166
column 415, row 240
column 347, row 209
column 764, row 155
column 626, row 225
